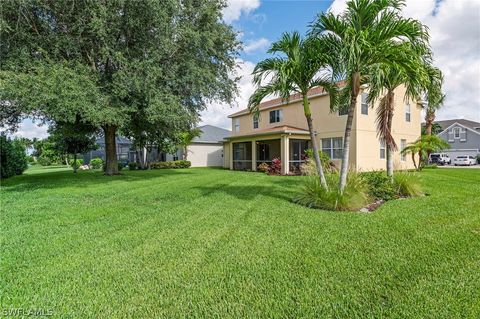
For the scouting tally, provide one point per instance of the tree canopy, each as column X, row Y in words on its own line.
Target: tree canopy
column 105, row 61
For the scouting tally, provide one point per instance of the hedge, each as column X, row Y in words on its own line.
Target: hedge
column 171, row 164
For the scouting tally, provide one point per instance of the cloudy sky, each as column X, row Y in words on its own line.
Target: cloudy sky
column 455, row 37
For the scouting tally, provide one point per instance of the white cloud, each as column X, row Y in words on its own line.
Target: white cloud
column 235, row 8
column 256, row 45
column 29, row 129
column 454, row 28
column 216, row 113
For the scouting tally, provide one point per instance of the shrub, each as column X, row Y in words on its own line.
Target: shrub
column 132, row 166
column 379, row 185
column 407, row 184
column 96, row 163
column 78, row 163
column 315, row 195
column 44, row 161
column 120, row 166
column 276, row 167
column 478, row 159
column 171, row 164
column 310, row 168
column 264, row 167
column 13, row 158
column 30, row 159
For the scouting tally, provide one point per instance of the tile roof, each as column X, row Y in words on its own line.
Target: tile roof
column 280, row 101
column 274, row 130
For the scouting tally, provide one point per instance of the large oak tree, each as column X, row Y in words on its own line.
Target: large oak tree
column 103, row 61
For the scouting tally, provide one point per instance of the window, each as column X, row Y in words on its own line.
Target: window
column 333, row 147
column 382, row 149
column 456, row 133
column 236, row 125
column 407, row 112
column 364, row 103
column 343, row 110
column 275, row 116
column 255, row 121
column 403, row 144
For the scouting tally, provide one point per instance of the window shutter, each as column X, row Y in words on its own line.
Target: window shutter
column 463, row 135
column 450, row 136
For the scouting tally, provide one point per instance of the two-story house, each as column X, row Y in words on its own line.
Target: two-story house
column 281, row 131
column 462, row 135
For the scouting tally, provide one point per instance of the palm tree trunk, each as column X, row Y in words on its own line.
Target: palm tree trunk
column 414, row 162
column 390, row 145
column 346, row 143
column 316, row 156
column 348, row 130
column 429, row 118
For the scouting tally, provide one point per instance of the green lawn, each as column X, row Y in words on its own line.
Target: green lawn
column 215, row 243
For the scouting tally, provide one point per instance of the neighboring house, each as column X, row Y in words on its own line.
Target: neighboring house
column 207, row 149
column 124, row 151
column 281, row 131
column 462, row 135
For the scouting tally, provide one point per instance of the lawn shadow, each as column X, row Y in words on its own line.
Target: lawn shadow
column 83, row 179
column 278, row 189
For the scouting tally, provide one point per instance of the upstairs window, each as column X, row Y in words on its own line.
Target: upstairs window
column 255, row 121
column 333, row 147
column 343, row 110
column 364, row 104
column 276, row 116
column 408, row 111
column 456, row 133
column 382, row 149
column 236, row 125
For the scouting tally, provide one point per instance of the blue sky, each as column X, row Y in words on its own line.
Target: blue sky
column 272, row 18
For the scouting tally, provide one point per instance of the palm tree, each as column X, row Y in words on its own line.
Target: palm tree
column 435, row 97
column 385, row 78
column 294, row 70
column 186, row 138
column 366, row 34
column 425, row 145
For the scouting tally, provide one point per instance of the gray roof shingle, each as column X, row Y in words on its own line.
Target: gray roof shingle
column 211, row 134
column 467, row 123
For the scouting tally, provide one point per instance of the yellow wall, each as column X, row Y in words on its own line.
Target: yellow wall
column 365, row 146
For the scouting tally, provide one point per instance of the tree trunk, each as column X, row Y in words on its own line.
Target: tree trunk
column 316, row 156
column 111, row 164
column 429, row 118
column 75, row 163
column 390, row 146
column 414, row 162
column 348, row 130
column 185, row 150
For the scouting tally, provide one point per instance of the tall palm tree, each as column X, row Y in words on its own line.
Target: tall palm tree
column 364, row 35
column 434, row 97
column 295, row 69
column 385, row 78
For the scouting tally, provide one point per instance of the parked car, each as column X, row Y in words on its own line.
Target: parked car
column 440, row 159
column 465, row 160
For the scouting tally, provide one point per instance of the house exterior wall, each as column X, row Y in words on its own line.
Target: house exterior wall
column 468, row 143
column 204, row 155
column 226, row 154
column 365, row 146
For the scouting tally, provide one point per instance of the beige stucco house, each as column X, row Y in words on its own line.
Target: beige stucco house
column 281, row 131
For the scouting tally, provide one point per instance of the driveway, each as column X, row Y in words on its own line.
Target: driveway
column 453, row 166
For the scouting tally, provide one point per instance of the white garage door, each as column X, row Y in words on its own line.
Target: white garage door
column 202, row 155
column 454, row 153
